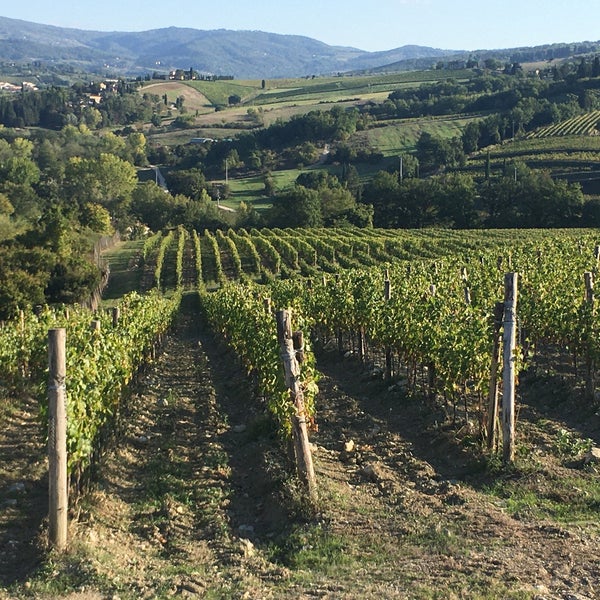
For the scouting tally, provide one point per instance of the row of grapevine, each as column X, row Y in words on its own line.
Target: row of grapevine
column 440, row 316
column 586, row 124
column 100, row 362
column 242, row 315
column 250, row 259
column 212, row 266
column 289, row 253
column 197, row 259
column 183, row 236
column 165, row 243
column 270, row 257
column 151, row 244
column 228, row 247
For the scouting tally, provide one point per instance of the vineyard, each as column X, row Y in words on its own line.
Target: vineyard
column 586, row 124
column 566, row 152
column 394, row 372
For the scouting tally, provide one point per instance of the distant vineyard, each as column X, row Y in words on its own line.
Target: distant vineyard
column 586, row 124
column 564, row 152
column 269, row 254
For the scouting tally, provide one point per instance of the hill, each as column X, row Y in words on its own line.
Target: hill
column 243, row 54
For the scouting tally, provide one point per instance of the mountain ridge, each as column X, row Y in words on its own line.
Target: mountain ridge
column 245, row 54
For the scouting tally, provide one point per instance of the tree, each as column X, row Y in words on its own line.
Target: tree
column 299, row 207
column 107, row 180
column 335, row 201
column 456, row 201
column 91, row 117
column 189, row 182
column 434, row 152
column 6, row 208
column 351, row 180
column 270, row 187
column 470, row 137
column 304, row 154
column 72, row 281
column 152, row 206
column 24, row 274
column 135, row 145
column 97, row 218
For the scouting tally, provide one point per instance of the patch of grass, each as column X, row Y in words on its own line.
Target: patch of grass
column 564, row 500
column 314, row 548
column 440, row 538
column 398, row 136
column 60, row 575
column 218, row 92
column 482, row 590
column 124, row 260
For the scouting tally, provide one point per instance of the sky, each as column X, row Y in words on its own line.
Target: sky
column 370, row 25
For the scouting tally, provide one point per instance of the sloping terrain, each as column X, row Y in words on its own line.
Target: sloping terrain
column 196, row 500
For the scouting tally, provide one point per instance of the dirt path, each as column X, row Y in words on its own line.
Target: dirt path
column 178, row 500
column 23, row 490
column 197, row 501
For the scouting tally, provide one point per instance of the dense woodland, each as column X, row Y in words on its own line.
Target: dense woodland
column 71, row 160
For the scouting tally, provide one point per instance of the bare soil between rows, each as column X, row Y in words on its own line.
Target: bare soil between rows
column 196, row 499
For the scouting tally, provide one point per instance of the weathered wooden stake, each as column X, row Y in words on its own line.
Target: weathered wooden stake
column 298, row 339
column 116, row 315
column 467, row 292
column 492, row 415
column 267, row 305
column 95, row 326
column 57, row 440
column 304, row 463
column 387, row 295
column 362, row 344
column 590, row 379
column 509, row 371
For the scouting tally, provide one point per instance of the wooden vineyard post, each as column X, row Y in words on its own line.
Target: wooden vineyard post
column 493, row 391
column 116, row 315
column 362, row 345
column 267, row 305
column 431, row 371
column 304, row 463
column 387, row 295
column 57, row 440
column 509, row 375
column 590, row 376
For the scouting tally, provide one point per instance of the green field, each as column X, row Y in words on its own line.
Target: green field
column 570, row 146
column 400, row 135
